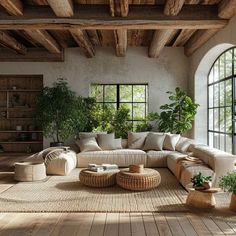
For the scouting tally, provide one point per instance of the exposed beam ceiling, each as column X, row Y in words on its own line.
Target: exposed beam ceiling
column 120, row 42
column 200, row 17
column 81, row 37
column 197, row 40
column 45, row 39
column 13, row 7
column 62, row 8
column 227, row 9
column 119, row 7
column 8, row 41
column 173, row 7
column 159, row 40
column 183, row 37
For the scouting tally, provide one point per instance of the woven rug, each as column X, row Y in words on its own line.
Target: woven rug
column 67, row 194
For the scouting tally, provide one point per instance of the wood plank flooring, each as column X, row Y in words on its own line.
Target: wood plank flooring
column 111, row 224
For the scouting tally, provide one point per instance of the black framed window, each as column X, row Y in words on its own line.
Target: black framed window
column 221, row 102
column 132, row 96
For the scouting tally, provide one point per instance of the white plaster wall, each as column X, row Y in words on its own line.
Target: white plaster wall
column 200, row 64
column 162, row 74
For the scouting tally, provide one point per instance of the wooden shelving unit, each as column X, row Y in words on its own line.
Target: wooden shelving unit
column 18, row 131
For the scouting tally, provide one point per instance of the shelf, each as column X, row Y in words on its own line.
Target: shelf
column 20, row 90
column 21, row 131
column 21, row 142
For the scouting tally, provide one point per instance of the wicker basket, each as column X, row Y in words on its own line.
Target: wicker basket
column 136, row 168
column 148, row 179
column 98, row 179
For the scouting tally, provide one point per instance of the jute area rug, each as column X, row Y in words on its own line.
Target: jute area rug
column 67, row 194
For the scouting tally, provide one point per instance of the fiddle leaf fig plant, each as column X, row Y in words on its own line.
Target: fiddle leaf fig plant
column 178, row 115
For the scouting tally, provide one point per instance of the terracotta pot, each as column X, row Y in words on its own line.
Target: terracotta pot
column 232, row 205
column 207, row 185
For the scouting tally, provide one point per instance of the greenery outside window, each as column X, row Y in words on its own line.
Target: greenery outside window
column 132, row 96
column 221, row 105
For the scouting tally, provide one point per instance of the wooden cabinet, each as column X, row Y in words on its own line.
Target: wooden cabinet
column 18, row 130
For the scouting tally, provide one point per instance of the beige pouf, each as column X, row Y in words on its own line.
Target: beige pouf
column 30, row 171
column 98, row 179
column 148, row 179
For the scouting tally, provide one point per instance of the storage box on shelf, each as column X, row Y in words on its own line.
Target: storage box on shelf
column 18, row 132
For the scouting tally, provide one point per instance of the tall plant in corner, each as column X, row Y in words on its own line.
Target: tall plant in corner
column 178, row 115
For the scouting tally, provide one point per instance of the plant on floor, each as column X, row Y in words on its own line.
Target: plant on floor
column 201, row 181
column 149, row 123
column 177, row 116
column 59, row 112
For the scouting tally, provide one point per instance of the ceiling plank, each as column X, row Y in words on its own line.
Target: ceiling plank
column 227, row 9
column 183, row 37
column 197, row 40
column 173, row 7
column 81, row 37
column 95, row 37
column 13, row 7
column 159, row 40
column 120, row 42
column 45, row 39
column 9, row 42
column 62, row 8
column 119, row 8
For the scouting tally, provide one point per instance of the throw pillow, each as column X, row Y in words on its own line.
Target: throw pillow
column 108, row 142
column 136, row 140
column 83, row 135
column 154, row 141
column 184, row 144
column 171, row 141
column 88, row 144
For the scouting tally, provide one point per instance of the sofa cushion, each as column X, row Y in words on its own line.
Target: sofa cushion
column 184, row 144
column 157, row 158
column 83, row 135
column 121, row 157
column 136, row 140
column 108, row 142
column 88, row 144
column 154, row 142
column 170, row 141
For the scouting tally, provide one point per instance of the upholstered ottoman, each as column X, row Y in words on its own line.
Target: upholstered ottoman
column 146, row 180
column 98, row 179
column 30, row 171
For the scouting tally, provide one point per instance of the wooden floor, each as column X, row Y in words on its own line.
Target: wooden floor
column 112, row 224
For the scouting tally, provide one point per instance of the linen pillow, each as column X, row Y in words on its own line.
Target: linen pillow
column 184, row 144
column 171, row 141
column 118, row 143
column 106, row 141
column 88, row 144
column 154, row 141
column 83, row 135
column 136, row 140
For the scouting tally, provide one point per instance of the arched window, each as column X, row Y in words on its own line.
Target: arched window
column 221, row 102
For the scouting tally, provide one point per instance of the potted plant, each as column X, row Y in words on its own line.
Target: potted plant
column 59, row 112
column 228, row 183
column 201, row 182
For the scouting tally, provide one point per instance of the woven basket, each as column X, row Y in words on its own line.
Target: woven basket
column 98, row 179
column 148, row 179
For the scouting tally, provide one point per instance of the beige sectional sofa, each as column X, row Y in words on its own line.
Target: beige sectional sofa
column 208, row 160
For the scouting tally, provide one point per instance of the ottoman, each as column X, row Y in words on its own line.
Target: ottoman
column 30, row 171
column 98, row 179
column 146, row 180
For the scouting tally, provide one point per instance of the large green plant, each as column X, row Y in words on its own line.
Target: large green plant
column 149, row 123
column 177, row 116
column 60, row 112
column 228, row 182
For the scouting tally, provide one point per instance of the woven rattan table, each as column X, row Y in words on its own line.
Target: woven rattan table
column 98, row 179
column 146, row 180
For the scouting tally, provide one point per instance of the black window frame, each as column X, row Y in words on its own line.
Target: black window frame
column 118, row 102
column 232, row 79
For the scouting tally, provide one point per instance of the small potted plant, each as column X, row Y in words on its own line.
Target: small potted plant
column 228, row 183
column 201, row 182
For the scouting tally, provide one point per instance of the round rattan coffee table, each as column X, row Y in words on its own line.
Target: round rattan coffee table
column 98, row 179
column 146, row 180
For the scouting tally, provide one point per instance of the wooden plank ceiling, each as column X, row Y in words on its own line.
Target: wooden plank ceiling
column 49, row 26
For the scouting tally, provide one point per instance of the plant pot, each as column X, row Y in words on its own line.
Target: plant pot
column 56, row 144
column 232, row 205
column 207, row 185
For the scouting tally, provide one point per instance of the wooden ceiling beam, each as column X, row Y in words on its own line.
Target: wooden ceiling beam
column 120, row 42
column 197, row 40
column 44, row 39
column 81, row 37
column 159, row 40
column 9, row 42
column 119, row 8
column 62, row 8
column 197, row 17
column 173, row 7
column 227, row 9
column 13, row 7
column 183, row 37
